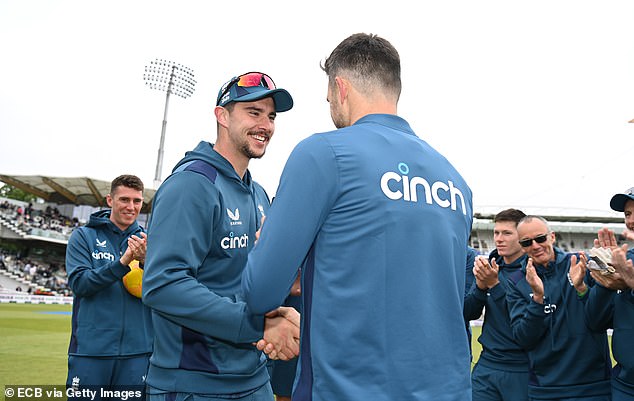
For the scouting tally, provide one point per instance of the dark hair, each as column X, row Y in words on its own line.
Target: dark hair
column 514, row 215
column 126, row 180
column 368, row 60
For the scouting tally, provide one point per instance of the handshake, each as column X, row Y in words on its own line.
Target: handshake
column 281, row 334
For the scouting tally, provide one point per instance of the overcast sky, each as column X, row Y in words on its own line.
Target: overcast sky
column 530, row 100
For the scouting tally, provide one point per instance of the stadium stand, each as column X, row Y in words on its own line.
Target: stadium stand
column 41, row 230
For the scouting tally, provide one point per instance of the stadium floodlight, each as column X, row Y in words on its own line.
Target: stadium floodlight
column 173, row 78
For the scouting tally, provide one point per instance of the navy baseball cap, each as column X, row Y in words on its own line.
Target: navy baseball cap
column 254, row 86
column 619, row 200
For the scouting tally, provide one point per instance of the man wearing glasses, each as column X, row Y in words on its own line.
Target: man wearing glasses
column 204, row 220
column 546, row 304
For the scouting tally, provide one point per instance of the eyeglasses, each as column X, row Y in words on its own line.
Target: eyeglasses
column 248, row 80
column 540, row 239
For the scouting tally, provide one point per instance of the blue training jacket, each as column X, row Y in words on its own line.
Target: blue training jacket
column 107, row 320
column 615, row 309
column 499, row 348
column 567, row 358
column 202, row 226
column 378, row 221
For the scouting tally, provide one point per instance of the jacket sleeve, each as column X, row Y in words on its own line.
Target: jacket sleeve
column 599, row 308
column 179, row 237
column 528, row 318
column 474, row 303
column 274, row 261
column 83, row 278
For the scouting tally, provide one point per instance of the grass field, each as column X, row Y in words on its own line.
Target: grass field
column 34, row 343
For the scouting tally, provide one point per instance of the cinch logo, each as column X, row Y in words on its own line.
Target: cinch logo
column 550, row 308
column 102, row 255
column 234, row 216
column 444, row 195
column 233, row 242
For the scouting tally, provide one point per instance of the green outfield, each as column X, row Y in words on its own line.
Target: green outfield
column 34, row 343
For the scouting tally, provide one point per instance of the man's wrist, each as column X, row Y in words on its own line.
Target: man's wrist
column 581, row 290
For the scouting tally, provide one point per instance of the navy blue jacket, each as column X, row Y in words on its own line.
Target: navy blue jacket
column 567, row 358
column 107, row 320
column 615, row 309
column 499, row 348
column 202, row 227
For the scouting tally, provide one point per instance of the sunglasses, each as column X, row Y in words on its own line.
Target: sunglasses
column 248, row 80
column 540, row 239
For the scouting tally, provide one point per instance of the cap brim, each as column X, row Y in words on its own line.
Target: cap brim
column 619, row 200
column 283, row 100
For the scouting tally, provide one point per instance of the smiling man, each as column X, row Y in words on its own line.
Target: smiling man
column 111, row 338
column 204, row 219
column 610, row 304
column 546, row 300
column 501, row 372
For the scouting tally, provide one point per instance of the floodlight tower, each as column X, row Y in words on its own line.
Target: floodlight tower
column 172, row 78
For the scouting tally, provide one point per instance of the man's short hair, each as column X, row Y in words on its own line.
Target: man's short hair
column 368, row 60
column 126, row 180
column 530, row 217
column 514, row 215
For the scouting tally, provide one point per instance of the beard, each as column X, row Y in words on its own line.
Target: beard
column 250, row 153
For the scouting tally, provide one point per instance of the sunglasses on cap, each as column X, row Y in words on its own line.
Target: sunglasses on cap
column 249, row 80
column 540, row 239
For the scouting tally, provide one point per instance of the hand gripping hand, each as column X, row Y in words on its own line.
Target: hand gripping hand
column 281, row 334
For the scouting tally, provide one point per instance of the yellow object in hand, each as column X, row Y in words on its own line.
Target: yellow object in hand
column 133, row 279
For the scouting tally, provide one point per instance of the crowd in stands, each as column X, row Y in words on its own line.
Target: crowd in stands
column 33, row 221
column 27, row 218
column 50, row 276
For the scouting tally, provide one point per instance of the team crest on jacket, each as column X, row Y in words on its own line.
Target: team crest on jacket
column 234, row 217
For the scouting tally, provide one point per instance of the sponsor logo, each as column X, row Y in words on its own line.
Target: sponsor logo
column 101, row 244
column 550, row 308
column 261, row 209
column 400, row 186
column 98, row 255
column 233, row 242
column 234, row 217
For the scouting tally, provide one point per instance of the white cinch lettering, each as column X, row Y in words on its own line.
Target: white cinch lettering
column 102, row 255
column 232, row 242
column 443, row 194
